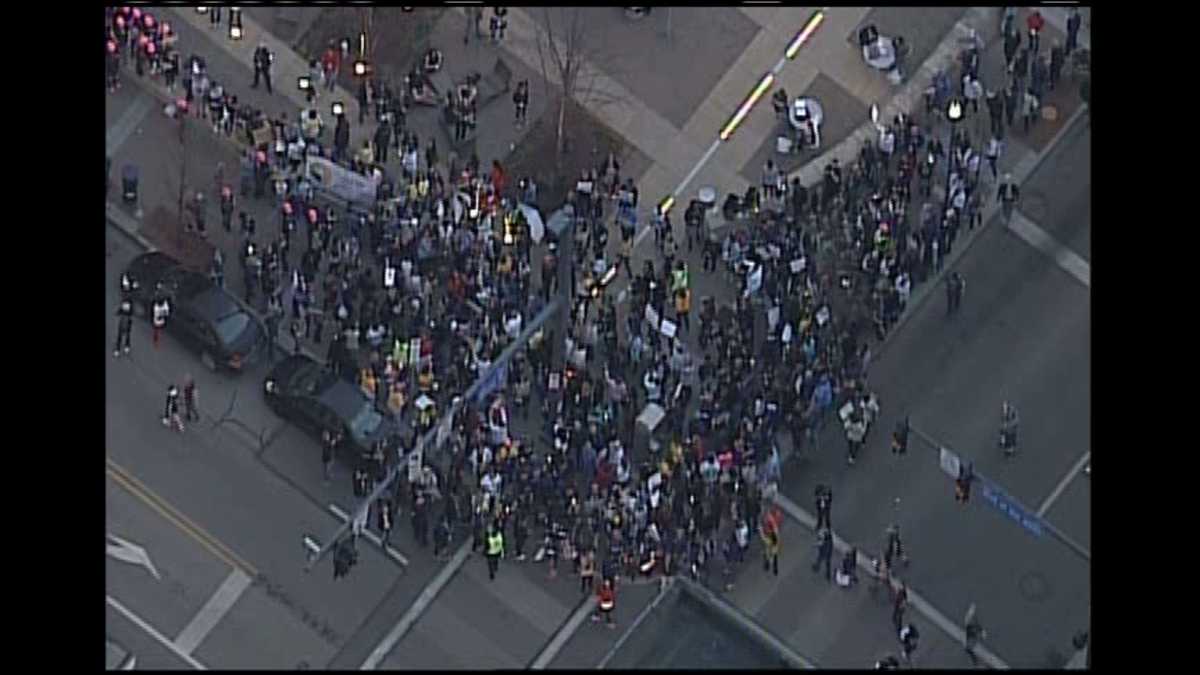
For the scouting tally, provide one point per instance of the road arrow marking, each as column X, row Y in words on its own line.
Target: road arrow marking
column 129, row 552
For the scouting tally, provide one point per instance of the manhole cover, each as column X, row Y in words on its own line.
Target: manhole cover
column 1034, row 587
column 1049, row 113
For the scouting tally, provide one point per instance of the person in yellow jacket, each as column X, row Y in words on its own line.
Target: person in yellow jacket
column 683, row 307
column 366, row 380
column 495, row 549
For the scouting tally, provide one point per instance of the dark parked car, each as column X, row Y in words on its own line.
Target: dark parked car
column 204, row 316
column 304, row 392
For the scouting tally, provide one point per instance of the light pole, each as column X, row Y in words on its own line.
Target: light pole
column 954, row 113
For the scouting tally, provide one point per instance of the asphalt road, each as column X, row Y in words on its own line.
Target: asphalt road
column 1023, row 334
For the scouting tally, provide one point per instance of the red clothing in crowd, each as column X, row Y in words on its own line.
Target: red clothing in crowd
column 498, row 179
column 1035, row 21
column 332, row 60
column 607, row 598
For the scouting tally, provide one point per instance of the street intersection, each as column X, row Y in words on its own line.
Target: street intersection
column 221, row 509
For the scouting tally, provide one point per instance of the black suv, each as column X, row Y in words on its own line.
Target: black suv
column 204, row 316
column 304, row 392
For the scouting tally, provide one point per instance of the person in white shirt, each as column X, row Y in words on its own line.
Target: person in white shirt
column 972, row 91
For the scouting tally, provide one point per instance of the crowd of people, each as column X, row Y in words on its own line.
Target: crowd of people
column 419, row 293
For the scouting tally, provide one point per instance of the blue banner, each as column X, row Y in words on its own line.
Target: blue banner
column 1011, row 508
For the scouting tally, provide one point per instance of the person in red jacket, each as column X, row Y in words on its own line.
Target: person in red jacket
column 331, row 65
column 606, row 601
column 1036, row 23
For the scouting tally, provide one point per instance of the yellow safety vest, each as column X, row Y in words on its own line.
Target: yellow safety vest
column 495, row 544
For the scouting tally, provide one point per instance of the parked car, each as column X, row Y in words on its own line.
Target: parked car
column 204, row 316
column 307, row 394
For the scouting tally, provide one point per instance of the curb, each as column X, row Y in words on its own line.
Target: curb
column 904, row 100
column 921, row 295
column 126, row 225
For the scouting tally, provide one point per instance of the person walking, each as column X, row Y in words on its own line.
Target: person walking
column 1008, row 193
column 498, row 23
column 900, row 437
column 520, row 534
column 824, row 499
column 1058, row 58
column 420, row 520
column 972, row 91
column 1031, row 107
column 1009, row 423
column 770, row 538
column 824, row 553
column 683, row 308
column 124, row 327
column 329, row 442
column 1036, row 23
column 955, row 285
column 1074, row 21
column 441, row 536
column 992, row 154
column 974, row 633
column 606, row 602
column 521, row 102
column 995, row 106
column 171, row 416
column 262, row 66
column 899, row 605
column 386, row 509
column 587, row 570
column 495, row 549
column 1010, row 99
column 161, row 310
column 191, row 413
column 856, row 431
column 908, row 642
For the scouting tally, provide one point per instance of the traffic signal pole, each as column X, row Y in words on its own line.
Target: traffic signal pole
column 1001, row 498
column 428, row 440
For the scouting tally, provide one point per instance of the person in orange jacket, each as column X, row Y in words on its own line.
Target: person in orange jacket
column 606, row 601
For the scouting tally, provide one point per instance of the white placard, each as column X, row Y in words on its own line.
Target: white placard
column 652, row 317
column 949, row 462
column 668, row 328
column 797, row 266
column 754, row 281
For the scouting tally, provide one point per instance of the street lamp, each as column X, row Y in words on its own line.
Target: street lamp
column 954, row 113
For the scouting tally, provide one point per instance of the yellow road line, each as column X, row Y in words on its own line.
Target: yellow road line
column 136, row 488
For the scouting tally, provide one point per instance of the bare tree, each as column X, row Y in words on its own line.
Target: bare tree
column 563, row 45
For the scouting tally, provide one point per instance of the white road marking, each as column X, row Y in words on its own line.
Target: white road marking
column 374, row 538
column 213, row 611
column 667, row 585
column 418, row 608
column 1065, row 258
column 127, row 551
column 150, row 630
column 126, row 124
column 938, row 618
column 563, row 634
column 1062, row 484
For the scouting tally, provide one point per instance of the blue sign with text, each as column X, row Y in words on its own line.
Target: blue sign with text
column 1012, row 508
